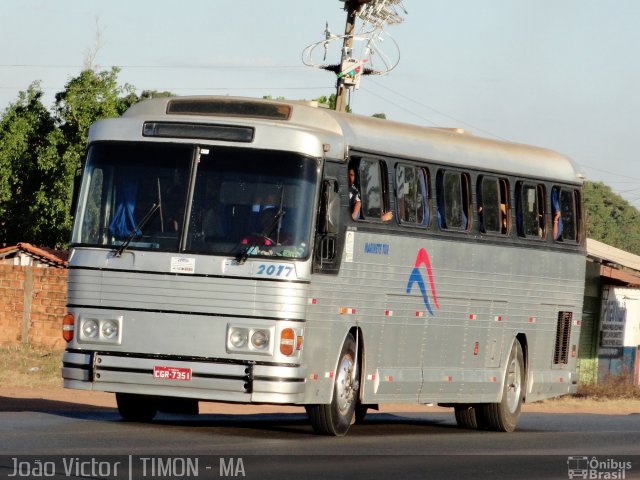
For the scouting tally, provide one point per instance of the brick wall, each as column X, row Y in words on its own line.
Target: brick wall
column 32, row 303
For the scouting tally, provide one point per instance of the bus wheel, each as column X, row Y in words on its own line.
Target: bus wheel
column 467, row 416
column 503, row 416
column 336, row 417
column 136, row 408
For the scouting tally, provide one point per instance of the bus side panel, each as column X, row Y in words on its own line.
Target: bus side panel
column 438, row 317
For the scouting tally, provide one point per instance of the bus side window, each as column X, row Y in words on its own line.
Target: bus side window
column 504, row 206
column 563, row 208
column 530, row 210
column 453, row 195
column 493, row 205
column 542, row 211
column 412, row 194
column 577, row 199
column 374, row 190
column 355, row 201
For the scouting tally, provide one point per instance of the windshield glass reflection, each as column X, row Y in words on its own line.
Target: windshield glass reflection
column 242, row 202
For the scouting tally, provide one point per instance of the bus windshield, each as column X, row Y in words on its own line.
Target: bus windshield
column 178, row 198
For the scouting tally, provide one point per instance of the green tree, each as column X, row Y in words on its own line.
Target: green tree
column 42, row 153
column 330, row 101
column 610, row 218
column 26, row 129
column 86, row 98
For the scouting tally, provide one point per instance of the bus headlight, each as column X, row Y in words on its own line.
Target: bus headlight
column 238, row 337
column 90, row 328
column 109, row 329
column 260, row 339
column 100, row 330
column 249, row 339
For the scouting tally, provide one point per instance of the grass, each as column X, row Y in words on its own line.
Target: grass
column 28, row 366
column 613, row 387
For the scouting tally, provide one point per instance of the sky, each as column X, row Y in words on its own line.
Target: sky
column 560, row 74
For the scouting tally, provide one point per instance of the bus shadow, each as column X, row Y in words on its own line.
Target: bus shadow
column 58, row 407
column 17, row 404
column 250, row 425
column 287, row 423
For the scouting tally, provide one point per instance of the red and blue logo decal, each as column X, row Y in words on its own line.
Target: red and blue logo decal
column 416, row 277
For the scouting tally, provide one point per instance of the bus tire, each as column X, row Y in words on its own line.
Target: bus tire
column 336, row 417
column 467, row 416
column 503, row 416
column 136, row 408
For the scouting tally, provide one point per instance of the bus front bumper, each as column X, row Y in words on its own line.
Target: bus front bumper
column 214, row 380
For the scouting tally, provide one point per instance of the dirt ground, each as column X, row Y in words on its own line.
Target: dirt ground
column 58, row 398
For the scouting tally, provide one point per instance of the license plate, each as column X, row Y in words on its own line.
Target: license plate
column 171, row 373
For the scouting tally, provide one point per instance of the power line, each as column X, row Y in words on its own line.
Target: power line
column 199, row 67
column 609, row 172
column 219, row 89
column 428, row 107
column 581, row 165
column 406, row 110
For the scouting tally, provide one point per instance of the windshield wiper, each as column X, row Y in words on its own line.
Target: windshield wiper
column 264, row 235
column 137, row 230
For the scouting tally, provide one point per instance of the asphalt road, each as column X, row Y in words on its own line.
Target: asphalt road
column 263, row 446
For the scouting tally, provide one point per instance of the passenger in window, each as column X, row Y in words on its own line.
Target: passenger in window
column 354, row 195
column 503, row 226
column 355, row 202
column 556, row 227
column 503, row 216
column 557, row 219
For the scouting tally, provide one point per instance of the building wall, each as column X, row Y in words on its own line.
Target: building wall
column 619, row 333
column 588, row 348
column 32, row 303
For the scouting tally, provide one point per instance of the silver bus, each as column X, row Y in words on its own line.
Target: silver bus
column 221, row 253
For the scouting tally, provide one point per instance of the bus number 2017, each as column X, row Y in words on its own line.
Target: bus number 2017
column 274, row 270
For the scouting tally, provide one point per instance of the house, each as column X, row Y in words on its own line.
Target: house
column 610, row 333
column 25, row 254
column 33, row 295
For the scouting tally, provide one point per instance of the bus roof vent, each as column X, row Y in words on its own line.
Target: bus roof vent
column 229, row 108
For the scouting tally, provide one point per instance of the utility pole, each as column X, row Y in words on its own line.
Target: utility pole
column 349, row 71
column 352, row 7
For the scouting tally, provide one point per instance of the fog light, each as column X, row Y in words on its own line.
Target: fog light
column 260, row 339
column 110, row 329
column 239, row 337
column 90, row 328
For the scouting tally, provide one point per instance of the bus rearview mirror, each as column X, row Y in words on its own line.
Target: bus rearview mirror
column 332, row 220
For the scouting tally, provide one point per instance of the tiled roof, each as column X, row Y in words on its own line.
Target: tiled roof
column 56, row 258
column 612, row 256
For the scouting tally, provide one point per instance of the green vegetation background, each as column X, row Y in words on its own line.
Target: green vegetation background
column 42, row 152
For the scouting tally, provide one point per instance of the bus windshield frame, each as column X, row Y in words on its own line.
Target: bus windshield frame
column 190, row 199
